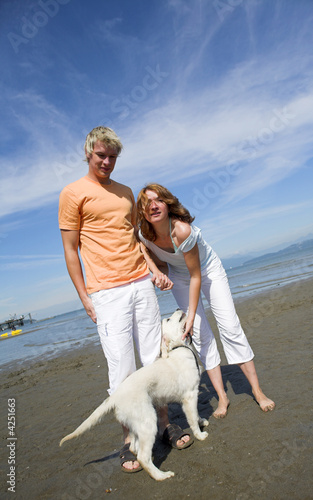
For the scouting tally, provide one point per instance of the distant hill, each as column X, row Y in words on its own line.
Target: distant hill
column 282, row 246
column 239, row 260
column 304, row 245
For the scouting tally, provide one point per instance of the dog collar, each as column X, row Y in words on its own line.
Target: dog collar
column 186, row 347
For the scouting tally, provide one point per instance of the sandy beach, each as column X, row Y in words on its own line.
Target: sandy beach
column 248, row 455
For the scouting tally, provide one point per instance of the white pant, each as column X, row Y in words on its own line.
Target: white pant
column 124, row 314
column 214, row 285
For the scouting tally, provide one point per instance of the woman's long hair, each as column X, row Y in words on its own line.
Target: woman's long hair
column 175, row 208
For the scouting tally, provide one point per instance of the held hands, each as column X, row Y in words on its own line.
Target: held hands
column 162, row 281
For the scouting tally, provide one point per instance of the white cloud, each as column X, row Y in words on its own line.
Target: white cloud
column 217, row 107
column 22, row 262
column 207, row 132
column 226, row 226
column 232, row 121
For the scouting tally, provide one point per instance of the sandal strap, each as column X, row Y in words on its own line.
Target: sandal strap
column 126, row 455
column 174, row 433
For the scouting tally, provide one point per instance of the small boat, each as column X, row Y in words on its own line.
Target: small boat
column 16, row 332
column 10, row 334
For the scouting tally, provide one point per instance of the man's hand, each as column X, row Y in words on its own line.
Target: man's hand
column 162, row 281
column 87, row 303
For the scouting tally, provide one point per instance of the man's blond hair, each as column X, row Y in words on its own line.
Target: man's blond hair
column 105, row 135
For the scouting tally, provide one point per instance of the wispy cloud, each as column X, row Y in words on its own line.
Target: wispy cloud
column 268, row 135
column 22, row 262
column 234, row 122
column 218, row 128
column 217, row 106
column 223, row 226
column 193, row 131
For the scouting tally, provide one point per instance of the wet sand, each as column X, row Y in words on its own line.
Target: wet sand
column 248, row 455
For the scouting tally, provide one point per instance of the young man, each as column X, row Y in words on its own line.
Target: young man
column 97, row 216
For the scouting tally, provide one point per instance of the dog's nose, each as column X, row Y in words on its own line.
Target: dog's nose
column 189, row 338
column 182, row 316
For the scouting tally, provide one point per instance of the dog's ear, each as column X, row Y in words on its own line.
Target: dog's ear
column 164, row 348
column 164, row 344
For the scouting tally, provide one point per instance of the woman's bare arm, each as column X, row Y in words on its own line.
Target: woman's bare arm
column 158, row 269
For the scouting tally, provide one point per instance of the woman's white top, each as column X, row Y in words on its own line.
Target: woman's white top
column 176, row 260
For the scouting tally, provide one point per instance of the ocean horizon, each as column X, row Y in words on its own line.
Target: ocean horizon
column 47, row 338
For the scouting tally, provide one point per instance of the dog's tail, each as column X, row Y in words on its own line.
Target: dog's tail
column 93, row 419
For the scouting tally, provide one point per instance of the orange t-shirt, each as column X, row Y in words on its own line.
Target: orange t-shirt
column 104, row 217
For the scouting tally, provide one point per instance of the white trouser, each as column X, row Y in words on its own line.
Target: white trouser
column 126, row 314
column 215, row 287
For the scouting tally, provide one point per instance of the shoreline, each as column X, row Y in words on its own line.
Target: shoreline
column 248, row 455
column 272, row 294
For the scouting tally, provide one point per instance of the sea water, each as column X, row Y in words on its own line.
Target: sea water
column 54, row 336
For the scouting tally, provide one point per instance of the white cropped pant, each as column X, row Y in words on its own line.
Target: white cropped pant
column 215, row 287
column 126, row 314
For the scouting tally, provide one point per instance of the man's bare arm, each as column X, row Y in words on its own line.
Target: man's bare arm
column 70, row 243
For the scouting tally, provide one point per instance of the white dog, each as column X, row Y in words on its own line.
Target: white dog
column 173, row 378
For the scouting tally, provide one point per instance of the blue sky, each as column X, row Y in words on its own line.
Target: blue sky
column 213, row 99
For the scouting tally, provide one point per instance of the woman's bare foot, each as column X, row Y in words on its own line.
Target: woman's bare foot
column 249, row 370
column 264, row 402
column 221, row 410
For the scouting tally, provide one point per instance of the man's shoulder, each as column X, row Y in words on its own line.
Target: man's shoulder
column 76, row 185
column 122, row 187
column 84, row 186
column 78, row 189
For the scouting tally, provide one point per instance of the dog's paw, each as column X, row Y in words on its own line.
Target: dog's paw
column 164, row 475
column 201, row 435
column 203, row 422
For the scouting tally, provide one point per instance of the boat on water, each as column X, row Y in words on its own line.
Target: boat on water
column 8, row 335
column 13, row 323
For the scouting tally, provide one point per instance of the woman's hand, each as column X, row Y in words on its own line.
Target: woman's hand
column 188, row 327
column 162, row 281
column 155, row 265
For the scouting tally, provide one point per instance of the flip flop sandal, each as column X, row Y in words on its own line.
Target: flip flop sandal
column 174, row 433
column 127, row 456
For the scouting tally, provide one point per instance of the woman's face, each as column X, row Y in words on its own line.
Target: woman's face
column 156, row 209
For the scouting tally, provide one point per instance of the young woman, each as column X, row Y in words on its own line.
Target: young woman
column 177, row 247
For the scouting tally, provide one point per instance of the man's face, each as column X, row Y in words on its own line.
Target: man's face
column 101, row 163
